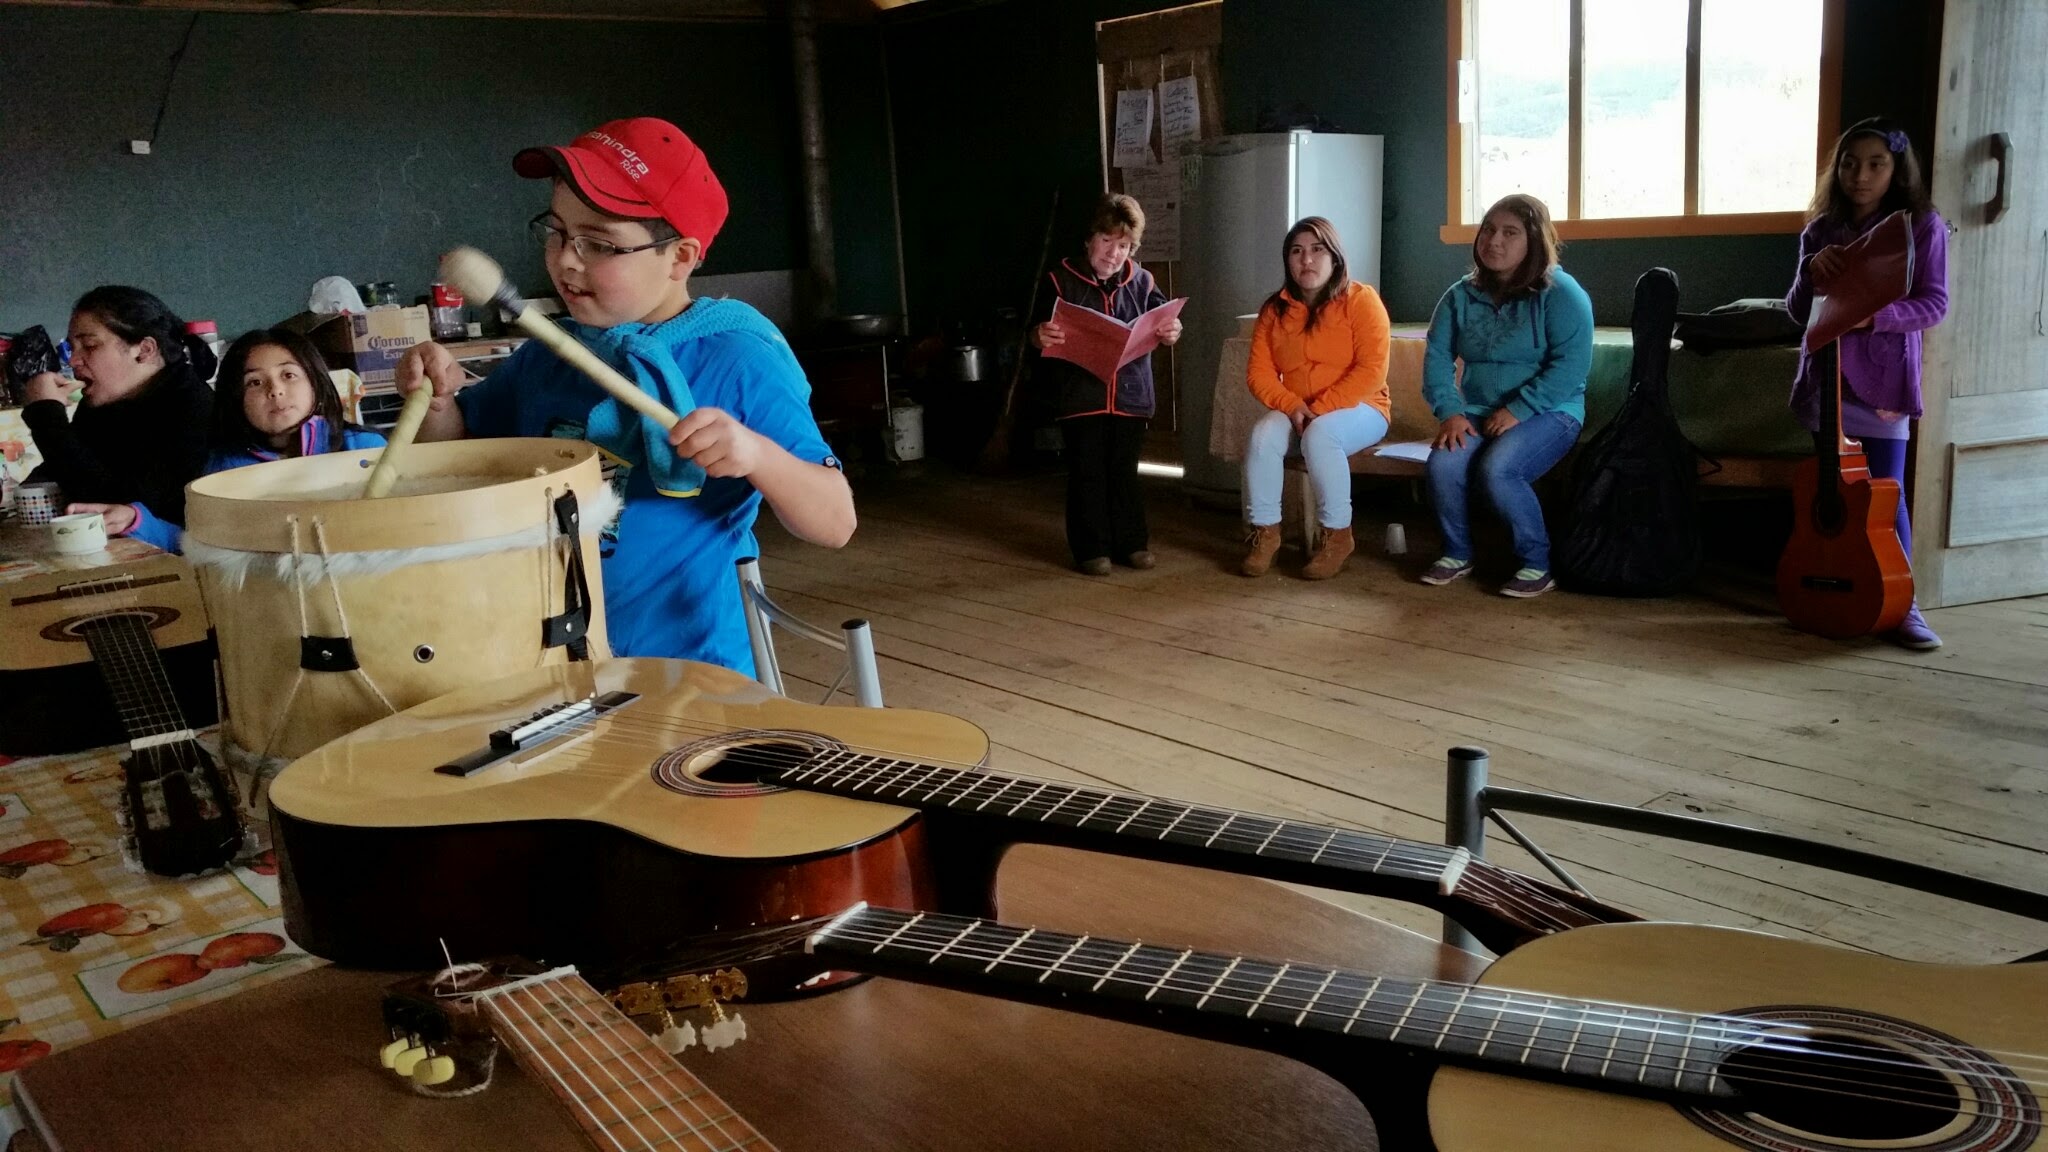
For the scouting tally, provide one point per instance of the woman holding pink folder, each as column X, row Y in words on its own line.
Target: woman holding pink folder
column 1103, row 422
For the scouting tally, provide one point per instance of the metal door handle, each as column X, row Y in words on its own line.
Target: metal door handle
column 2001, row 154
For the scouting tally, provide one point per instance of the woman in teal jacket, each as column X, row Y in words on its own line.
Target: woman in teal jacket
column 1523, row 330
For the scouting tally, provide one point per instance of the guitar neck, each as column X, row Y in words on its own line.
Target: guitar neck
column 1501, row 908
column 625, row 1093
column 125, row 654
column 1298, row 1008
column 1835, row 444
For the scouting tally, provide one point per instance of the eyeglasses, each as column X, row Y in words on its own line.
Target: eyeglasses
column 589, row 249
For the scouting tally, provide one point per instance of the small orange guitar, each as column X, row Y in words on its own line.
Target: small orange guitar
column 1844, row 572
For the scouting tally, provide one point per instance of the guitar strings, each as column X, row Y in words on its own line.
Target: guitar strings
column 1735, row 1030
column 1406, row 859
column 1412, row 859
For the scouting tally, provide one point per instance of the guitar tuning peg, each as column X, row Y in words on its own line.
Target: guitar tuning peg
column 725, row 1032
column 434, row 1070
column 676, row 1036
column 407, row 1060
column 388, row 1054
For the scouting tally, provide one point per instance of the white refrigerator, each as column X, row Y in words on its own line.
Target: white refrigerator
column 1239, row 195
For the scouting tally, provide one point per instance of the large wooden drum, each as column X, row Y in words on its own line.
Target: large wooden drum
column 333, row 611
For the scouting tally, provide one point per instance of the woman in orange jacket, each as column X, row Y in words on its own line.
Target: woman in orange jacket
column 1319, row 361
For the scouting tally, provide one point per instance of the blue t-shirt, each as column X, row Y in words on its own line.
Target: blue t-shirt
column 670, row 587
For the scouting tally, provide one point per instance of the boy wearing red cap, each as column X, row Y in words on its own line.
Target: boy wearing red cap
column 634, row 209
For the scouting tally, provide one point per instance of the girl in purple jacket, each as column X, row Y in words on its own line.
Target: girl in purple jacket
column 1874, row 174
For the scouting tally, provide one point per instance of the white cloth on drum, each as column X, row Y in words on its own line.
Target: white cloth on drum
column 235, row 564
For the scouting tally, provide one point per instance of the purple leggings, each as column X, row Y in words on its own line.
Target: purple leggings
column 1888, row 461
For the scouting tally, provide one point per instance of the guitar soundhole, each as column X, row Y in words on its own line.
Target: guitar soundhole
column 738, row 763
column 749, row 763
column 72, row 629
column 1895, row 1097
column 1848, row 1080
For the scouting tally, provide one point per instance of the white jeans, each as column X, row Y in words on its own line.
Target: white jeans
column 1326, row 445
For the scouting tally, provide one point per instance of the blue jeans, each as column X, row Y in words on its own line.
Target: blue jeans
column 1507, row 466
column 1326, row 446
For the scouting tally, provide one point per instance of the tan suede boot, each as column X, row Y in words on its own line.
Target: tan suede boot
column 1336, row 547
column 1260, row 548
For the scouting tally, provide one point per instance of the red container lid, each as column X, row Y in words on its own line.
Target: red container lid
column 202, row 328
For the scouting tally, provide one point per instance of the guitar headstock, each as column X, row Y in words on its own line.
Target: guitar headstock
column 439, row 1037
column 1504, row 908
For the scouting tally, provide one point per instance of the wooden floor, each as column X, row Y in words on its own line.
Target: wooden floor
column 1336, row 702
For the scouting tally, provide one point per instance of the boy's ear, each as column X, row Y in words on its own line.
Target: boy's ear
column 688, row 253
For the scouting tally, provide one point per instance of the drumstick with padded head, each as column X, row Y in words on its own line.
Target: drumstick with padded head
column 478, row 277
column 410, row 417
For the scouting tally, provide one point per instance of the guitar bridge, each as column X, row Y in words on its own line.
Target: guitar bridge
column 550, row 723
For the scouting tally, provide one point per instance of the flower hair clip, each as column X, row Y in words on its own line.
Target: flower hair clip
column 1895, row 140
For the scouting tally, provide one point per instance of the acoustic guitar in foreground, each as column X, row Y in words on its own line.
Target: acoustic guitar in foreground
column 1612, row 1038
column 599, row 813
column 1844, row 572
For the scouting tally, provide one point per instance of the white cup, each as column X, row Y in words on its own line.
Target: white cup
column 78, row 534
column 38, row 502
column 1397, row 540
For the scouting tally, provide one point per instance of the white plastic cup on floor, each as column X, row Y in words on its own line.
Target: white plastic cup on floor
column 1397, row 540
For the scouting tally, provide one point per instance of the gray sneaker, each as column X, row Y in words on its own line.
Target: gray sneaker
column 1446, row 570
column 1528, row 583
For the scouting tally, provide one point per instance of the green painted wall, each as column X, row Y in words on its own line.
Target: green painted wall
column 996, row 105
column 301, row 146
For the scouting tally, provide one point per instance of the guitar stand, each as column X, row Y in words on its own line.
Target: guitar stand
column 1469, row 802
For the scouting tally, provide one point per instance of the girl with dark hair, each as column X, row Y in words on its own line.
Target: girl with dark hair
column 1523, row 329
column 140, row 433
column 1319, row 362
column 274, row 399
column 1874, row 173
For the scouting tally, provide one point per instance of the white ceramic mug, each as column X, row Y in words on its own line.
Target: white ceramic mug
column 38, row 502
column 79, row 534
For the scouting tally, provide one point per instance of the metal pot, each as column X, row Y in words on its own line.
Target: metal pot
column 966, row 363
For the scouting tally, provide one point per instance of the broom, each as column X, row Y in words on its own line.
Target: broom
column 995, row 455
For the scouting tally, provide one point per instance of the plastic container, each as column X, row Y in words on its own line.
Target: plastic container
column 906, row 431
column 445, row 313
column 209, row 331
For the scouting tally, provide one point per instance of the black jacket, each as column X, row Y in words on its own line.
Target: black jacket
column 1126, row 295
column 142, row 449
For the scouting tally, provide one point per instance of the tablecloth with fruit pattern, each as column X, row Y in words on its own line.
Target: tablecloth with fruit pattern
column 90, row 945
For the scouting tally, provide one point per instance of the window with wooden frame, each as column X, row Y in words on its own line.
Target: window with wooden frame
column 1642, row 117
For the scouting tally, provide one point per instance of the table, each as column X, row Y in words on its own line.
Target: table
column 883, row 1066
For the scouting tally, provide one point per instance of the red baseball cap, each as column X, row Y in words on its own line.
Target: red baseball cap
column 638, row 168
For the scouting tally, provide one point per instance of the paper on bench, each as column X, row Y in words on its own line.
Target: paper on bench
column 1416, row 450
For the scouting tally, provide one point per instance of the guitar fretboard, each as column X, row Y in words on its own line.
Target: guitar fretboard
column 125, row 653
column 624, row 1092
column 1121, row 814
column 1639, row 1049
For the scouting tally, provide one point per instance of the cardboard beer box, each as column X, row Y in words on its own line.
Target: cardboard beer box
column 369, row 343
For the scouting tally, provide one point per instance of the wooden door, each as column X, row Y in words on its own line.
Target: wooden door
column 1145, row 52
column 1980, row 510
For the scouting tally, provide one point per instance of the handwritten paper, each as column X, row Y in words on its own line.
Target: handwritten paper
column 1103, row 344
column 1134, row 129
column 1157, row 191
column 1180, row 114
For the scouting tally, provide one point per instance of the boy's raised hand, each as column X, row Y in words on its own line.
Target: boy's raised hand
column 713, row 440
column 429, row 363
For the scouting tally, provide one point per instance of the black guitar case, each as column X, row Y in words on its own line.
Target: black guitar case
column 1634, row 499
